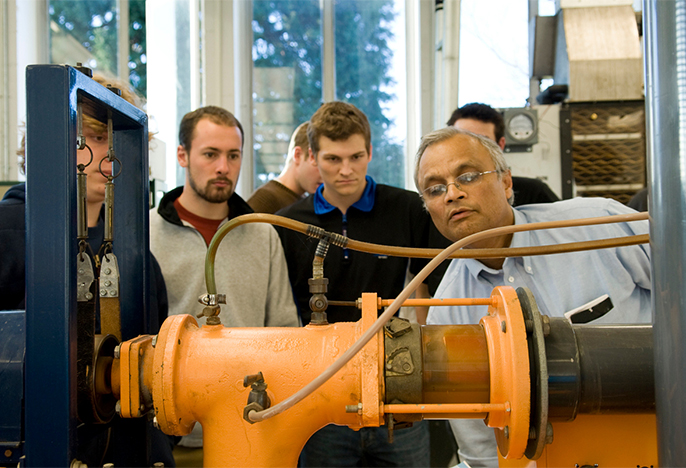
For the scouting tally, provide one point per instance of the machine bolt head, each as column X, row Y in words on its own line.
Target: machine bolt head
column 154, row 341
column 155, row 424
column 116, row 351
column 108, row 283
column 503, row 326
column 103, row 292
column 108, row 271
column 89, row 296
column 117, row 407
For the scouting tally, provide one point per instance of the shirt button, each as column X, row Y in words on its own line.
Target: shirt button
column 528, row 269
column 511, row 279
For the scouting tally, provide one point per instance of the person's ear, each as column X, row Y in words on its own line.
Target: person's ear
column 299, row 155
column 501, row 143
column 370, row 152
column 182, row 156
column 313, row 159
column 506, row 179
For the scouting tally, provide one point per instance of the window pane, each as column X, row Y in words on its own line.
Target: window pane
column 138, row 58
column 287, row 77
column 494, row 53
column 84, row 32
column 370, row 73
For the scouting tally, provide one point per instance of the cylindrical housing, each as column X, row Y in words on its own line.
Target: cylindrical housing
column 599, row 369
column 455, row 365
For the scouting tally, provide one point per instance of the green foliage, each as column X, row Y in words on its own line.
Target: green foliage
column 93, row 23
column 287, row 33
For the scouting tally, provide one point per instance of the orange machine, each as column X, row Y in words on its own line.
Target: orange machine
column 504, row 370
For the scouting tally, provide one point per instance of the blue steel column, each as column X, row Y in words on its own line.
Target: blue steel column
column 51, row 248
column 50, row 379
column 665, row 70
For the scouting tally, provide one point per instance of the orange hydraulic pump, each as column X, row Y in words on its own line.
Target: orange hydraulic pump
column 190, row 374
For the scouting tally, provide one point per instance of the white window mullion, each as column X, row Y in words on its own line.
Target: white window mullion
column 328, row 51
column 123, row 40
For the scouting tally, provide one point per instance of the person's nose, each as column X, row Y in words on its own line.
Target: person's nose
column 453, row 192
column 222, row 166
column 346, row 168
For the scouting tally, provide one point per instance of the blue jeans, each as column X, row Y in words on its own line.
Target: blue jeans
column 340, row 446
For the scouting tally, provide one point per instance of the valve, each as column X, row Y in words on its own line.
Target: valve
column 258, row 400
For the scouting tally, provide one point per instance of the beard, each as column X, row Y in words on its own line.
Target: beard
column 210, row 192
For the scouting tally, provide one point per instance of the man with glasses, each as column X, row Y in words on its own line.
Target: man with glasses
column 466, row 186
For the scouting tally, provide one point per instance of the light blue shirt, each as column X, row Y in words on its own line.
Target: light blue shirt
column 559, row 283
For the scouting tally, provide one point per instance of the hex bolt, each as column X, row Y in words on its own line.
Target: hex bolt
column 108, row 283
column 113, row 292
column 81, row 271
column 108, row 271
column 117, row 407
column 154, row 341
column 89, row 296
column 103, row 292
column 117, row 349
column 155, row 424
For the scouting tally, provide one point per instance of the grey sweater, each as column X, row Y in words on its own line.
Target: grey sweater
column 250, row 268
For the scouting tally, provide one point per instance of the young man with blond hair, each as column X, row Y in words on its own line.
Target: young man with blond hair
column 299, row 177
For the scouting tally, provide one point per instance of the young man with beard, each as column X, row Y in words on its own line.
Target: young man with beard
column 250, row 267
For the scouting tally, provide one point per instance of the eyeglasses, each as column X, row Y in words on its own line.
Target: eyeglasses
column 462, row 181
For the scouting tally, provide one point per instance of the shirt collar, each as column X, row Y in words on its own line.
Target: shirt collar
column 519, row 239
column 365, row 203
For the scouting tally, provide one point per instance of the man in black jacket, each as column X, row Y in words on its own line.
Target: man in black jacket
column 351, row 203
column 483, row 120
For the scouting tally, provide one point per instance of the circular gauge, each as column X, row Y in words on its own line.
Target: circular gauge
column 522, row 126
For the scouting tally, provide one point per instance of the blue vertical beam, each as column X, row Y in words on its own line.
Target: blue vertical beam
column 51, row 248
column 50, row 385
column 664, row 25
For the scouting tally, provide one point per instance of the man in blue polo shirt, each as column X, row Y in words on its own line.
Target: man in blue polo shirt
column 350, row 203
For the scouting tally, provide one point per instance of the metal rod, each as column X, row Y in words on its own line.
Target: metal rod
column 665, row 71
column 446, row 408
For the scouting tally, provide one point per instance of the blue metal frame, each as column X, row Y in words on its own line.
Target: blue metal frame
column 51, row 248
column 12, row 347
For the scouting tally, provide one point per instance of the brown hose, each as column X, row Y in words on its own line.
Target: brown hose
column 414, row 284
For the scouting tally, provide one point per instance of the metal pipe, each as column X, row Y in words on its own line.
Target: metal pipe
column 665, row 72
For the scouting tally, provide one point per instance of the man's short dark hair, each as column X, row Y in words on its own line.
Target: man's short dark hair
column 338, row 121
column 214, row 114
column 482, row 113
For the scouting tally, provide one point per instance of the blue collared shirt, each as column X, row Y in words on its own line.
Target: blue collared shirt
column 365, row 203
column 560, row 282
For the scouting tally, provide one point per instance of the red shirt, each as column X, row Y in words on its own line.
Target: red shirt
column 206, row 227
